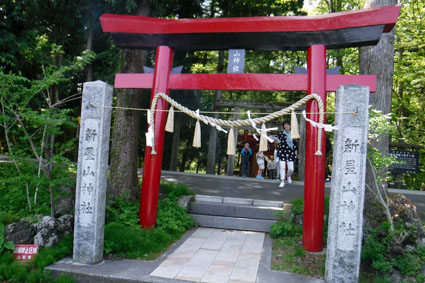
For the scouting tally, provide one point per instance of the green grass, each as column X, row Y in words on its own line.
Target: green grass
column 134, row 242
column 33, row 271
column 288, row 251
column 124, row 237
column 289, row 255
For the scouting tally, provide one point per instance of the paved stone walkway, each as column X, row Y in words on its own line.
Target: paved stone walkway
column 211, row 255
column 215, row 255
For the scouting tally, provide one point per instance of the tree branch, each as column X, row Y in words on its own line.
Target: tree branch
column 378, row 194
column 9, row 148
column 29, row 139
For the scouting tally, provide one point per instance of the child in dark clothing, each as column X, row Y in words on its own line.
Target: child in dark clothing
column 246, row 153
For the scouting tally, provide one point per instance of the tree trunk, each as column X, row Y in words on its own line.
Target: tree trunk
column 50, row 144
column 49, row 159
column 176, row 142
column 126, row 127
column 378, row 60
column 212, row 144
column 185, row 156
column 90, row 36
column 93, row 9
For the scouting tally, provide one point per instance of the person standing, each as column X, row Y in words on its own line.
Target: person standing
column 286, row 152
column 261, row 164
column 246, row 153
column 271, row 168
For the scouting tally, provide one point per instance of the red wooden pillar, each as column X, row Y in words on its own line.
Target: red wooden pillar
column 152, row 165
column 314, row 184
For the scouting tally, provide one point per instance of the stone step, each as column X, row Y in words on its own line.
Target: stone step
column 234, row 210
column 234, row 223
column 241, row 201
column 234, row 213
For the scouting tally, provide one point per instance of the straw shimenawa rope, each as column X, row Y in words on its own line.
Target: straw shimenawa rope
column 237, row 123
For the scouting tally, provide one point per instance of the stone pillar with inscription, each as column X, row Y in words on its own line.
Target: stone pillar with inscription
column 92, row 169
column 348, row 184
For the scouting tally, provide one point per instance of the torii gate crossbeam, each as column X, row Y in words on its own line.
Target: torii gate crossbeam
column 316, row 34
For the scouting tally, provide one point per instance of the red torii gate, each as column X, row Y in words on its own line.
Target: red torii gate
column 312, row 33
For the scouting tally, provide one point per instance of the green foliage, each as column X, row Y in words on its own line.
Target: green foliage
column 135, row 242
column 409, row 83
column 297, row 206
column 33, row 271
column 123, row 212
column 375, row 278
column 9, row 245
column 35, row 126
column 14, row 202
column 381, row 164
column 172, row 218
column 49, row 255
column 380, row 125
column 377, row 247
column 125, row 238
column 410, row 264
column 175, row 190
column 420, row 278
column 7, row 218
column 289, row 255
column 299, row 251
column 377, row 251
column 30, row 28
column 326, row 220
column 250, row 8
column 287, row 226
column 407, row 117
column 338, row 6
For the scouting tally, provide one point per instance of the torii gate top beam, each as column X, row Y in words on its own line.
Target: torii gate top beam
column 336, row 30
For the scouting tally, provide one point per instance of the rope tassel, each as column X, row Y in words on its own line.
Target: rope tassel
column 218, row 123
column 231, row 142
column 197, row 135
column 263, row 139
column 295, row 134
column 169, row 127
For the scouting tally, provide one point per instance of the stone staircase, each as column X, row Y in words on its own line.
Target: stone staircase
column 234, row 213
